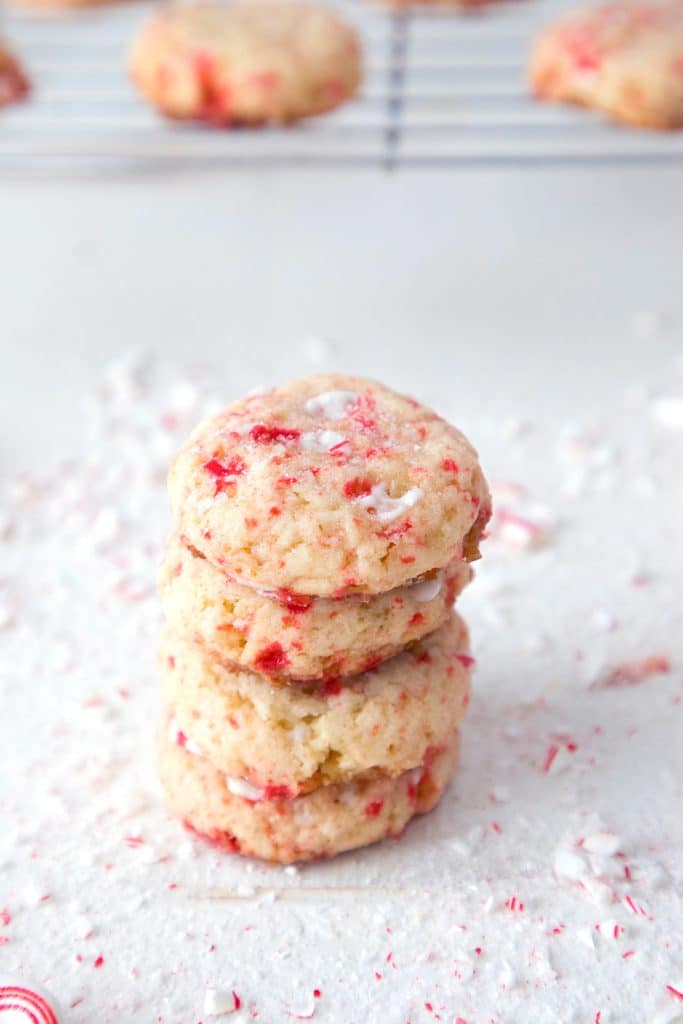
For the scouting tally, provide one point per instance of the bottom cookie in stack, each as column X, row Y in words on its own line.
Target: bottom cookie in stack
column 318, row 824
column 296, row 772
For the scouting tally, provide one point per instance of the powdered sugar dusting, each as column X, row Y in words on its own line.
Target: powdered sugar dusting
column 125, row 915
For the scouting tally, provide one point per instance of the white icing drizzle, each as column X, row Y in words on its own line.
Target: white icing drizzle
column 177, row 736
column 247, row 790
column 427, row 590
column 386, row 508
column 321, row 440
column 331, row 404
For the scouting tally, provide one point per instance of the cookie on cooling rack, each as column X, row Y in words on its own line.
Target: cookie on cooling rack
column 623, row 59
column 14, row 84
column 249, row 62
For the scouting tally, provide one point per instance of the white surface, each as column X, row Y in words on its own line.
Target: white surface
column 506, row 300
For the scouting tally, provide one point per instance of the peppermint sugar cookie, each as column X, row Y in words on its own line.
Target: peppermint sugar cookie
column 624, row 59
column 329, row 486
column 316, row 636
column 247, row 62
column 14, row 84
column 292, row 739
column 326, row 821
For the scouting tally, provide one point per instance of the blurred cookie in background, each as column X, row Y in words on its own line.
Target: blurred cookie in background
column 251, row 62
column 14, row 85
column 623, row 59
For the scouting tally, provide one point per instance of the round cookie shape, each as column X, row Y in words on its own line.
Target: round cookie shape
column 327, row 486
column 292, row 739
column 625, row 59
column 316, row 637
column 14, row 84
column 322, row 823
column 247, row 62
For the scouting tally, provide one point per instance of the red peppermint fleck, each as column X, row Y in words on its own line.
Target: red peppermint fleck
column 373, row 808
column 285, row 481
column 676, row 993
column 317, row 993
column 424, row 659
column 332, row 687
column 236, row 1000
column 295, row 602
column 136, row 841
column 233, row 722
column 514, row 904
column 357, row 488
column 275, row 511
column 628, row 953
column 225, row 472
column 98, row 961
column 417, row 619
column 262, row 434
column 465, row 659
column 392, row 532
column 171, row 661
column 5, row 917
column 272, row 658
column 637, row 670
column 551, row 754
column 496, row 827
column 450, row 466
column 278, row 792
column 378, row 976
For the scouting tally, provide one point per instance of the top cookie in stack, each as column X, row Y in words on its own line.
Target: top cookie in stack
column 321, row 528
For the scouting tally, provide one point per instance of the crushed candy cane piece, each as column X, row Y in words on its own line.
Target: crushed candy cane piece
column 667, row 411
column 386, row 508
column 245, row 789
column 637, row 670
column 219, row 1002
column 322, row 440
column 333, row 405
column 604, row 843
column 427, row 590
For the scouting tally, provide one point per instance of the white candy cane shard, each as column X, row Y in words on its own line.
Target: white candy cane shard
column 321, row 440
column 333, row 405
column 668, row 411
column 427, row 590
column 386, row 508
column 218, row 1002
column 570, row 865
column 177, row 736
column 604, row 843
column 247, row 790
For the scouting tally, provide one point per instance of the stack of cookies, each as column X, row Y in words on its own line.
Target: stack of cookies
column 313, row 670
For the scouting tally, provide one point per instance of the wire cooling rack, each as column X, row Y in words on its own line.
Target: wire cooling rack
column 443, row 87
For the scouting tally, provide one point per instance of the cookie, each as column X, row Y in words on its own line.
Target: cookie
column 318, row 824
column 623, row 59
column 294, row 738
column 328, row 486
column 14, row 84
column 246, row 62
column 316, row 637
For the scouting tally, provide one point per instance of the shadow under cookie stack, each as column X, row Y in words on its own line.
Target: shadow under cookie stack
column 313, row 671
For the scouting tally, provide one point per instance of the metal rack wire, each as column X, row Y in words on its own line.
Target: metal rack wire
column 443, row 88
